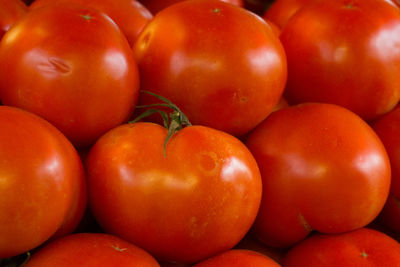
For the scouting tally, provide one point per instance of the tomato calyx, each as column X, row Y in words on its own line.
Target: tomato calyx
column 174, row 121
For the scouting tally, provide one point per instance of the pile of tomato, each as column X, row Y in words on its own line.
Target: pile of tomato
column 199, row 132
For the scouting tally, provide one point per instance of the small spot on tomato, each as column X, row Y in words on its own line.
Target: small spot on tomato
column 216, row 10
column 87, row 17
column 119, row 249
column 207, row 162
column 364, row 254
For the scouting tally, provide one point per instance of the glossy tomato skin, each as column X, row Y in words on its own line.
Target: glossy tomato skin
column 72, row 66
column 233, row 64
column 238, row 258
column 10, row 12
column 91, row 250
column 156, row 6
column 323, row 168
column 41, row 175
column 345, row 53
column 362, row 247
column 130, row 16
column 199, row 200
column 388, row 129
column 281, row 11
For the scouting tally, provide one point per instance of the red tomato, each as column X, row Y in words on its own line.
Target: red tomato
column 199, row 200
column 363, row 247
column 281, row 11
column 346, row 53
column 238, row 258
column 131, row 16
column 10, row 12
column 71, row 66
column 91, row 250
column 40, row 178
column 323, row 168
column 232, row 64
column 388, row 129
column 156, row 6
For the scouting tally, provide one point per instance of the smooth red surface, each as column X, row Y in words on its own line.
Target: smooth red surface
column 345, row 53
column 323, row 169
column 238, row 258
column 72, row 66
column 363, row 247
column 131, row 16
column 156, row 6
column 10, row 12
column 227, row 74
column 199, row 200
column 388, row 129
column 281, row 11
column 91, row 250
column 41, row 176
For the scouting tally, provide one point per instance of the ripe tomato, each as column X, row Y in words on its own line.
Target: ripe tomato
column 281, row 11
column 130, row 16
column 199, row 200
column 41, row 176
column 238, row 258
column 91, row 250
column 323, row 168
column 388, row 129
column 73, row 67
column 346, row 53
column 232, row 64
column 156, row 6
column 10, row 12
column 363, row 247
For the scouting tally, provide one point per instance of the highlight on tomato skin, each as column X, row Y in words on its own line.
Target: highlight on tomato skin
column 323, row 169
column 91, row 250
column 362, row 247
column 10, row 12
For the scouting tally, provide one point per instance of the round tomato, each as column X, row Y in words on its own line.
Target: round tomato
column 130, row 16
column 388, row 129
column 363, row 247
column 91, row 250
column 345, row 53
column 281, row 11
column 198, row 199
column 41, row 177
column 323, row 169
column 73, row 67
column 232, row 64
column 10, row 12
column 238, row 258
column 156, row 6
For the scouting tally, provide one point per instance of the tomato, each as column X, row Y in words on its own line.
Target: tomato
column 91, row 250
column 156, row 6
column 232, row 64
column 198, row 200
column 130, row 16
column 281, row 11
column 73, row 67
column 350, row 50
column 10, row 12
column 238, row 258
column 323, row 168
column 388, row 129
column 363, row 247
column 41, row 176
column 258, row 6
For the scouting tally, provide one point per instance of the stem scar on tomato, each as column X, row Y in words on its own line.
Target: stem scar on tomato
column 364, row 254
column 216, row 10
column 87, row 17
column 119, row 249
column 174, row 122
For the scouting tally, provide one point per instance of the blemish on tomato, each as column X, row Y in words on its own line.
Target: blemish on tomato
column 119, row 249
column 364, row 254
column 87, row 17
column 216, row 10
column 207, row 162
column 54, row 65
column 304, row 223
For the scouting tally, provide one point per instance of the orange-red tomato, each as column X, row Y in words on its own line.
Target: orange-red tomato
column 363, row 247
column 345, row 53
column 10, row 12
column 91, row 250
column 73, row 67
column 156, row 6
column 41, row 177
column 323, row 169
column 388, row 129
column 281, row 11
column 131, row 16
column 238, row 258
column 227, row 74
column 198, row 200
